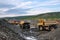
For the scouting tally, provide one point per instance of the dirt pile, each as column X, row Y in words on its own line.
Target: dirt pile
column 53, row 35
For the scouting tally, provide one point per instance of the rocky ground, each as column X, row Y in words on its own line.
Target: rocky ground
column 7, row 34
column 12, row 32
column 53, row 35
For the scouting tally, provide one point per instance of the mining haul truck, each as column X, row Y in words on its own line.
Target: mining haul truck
column 47, row 25
column 22, row 24
column 42, row 24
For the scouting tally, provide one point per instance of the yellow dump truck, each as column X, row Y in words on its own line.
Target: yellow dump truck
column 47, row 24
column 42, row 24
column 22, row 24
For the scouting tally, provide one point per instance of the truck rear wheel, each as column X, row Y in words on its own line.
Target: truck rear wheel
column 52, row 27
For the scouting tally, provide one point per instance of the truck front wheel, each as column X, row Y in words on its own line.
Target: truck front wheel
column 40, row 27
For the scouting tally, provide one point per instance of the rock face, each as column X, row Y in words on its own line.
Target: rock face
column 6, row 32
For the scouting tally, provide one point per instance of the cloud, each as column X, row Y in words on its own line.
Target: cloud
column 22, row 5
column 26, row 4
column 27, row 7
column 12, row 15
column 6, row 6
column 47, row 3
column 11, row 2
column 18, row 11
column 38, row 11
column 8, row 15
column 30, row 12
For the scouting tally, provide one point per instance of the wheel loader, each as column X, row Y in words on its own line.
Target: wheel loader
column 47, row 25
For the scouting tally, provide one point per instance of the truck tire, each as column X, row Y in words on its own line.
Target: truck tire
column 40, row 27
column 52, row 27
column 46, row 28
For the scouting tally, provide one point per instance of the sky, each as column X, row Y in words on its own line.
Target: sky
column 11, row 8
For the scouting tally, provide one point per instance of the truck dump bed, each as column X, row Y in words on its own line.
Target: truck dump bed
column 50, row 22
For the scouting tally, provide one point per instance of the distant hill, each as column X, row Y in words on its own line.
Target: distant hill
column 50, row 15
